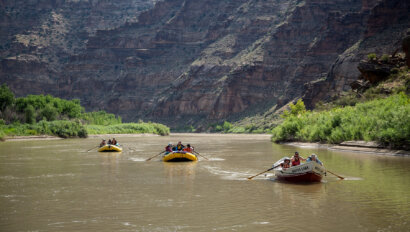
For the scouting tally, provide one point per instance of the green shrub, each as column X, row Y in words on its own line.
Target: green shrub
column 129, row 128
column 29, row 114
column 295, row 109
column 100, row 118
column 372, row 56
column 382, row 120
column 62, row 118
column 226, row 126
column 49, row 112
column 238, row 130
column 6, row 97
column 64, row 129
column 2, row 135
column 51, row 106
column 385, row 58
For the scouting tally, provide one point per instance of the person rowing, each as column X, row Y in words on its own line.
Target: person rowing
column 313, row 158
column 168, row 149
column 296, row 159
column 189, row 148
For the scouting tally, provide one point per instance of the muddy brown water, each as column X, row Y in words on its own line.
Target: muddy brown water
column 56, row 185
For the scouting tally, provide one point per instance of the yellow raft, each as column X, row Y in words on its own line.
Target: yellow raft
column 110, row 148
column 179, row 156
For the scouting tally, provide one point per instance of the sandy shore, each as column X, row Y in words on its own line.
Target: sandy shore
column 32, row 137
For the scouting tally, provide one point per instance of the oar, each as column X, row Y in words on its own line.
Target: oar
column 341, row 177
column 249, row 178
column 200, row 155
column 155, row 156
column 92, row 148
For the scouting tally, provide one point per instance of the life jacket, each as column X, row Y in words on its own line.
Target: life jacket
column 296, row 162
column 188, row 149
column 180, row 147
column 285, row 165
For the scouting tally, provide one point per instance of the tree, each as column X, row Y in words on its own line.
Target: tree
column 49, row 112
column 227, row 126
column 295, row 109
column 30, row 114
column 6, row 97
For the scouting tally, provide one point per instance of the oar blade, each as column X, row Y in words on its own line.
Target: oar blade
column 341, row 177
column 249, row 178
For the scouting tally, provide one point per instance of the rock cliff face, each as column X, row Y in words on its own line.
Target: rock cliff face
column 384, row 29
column 190, row 62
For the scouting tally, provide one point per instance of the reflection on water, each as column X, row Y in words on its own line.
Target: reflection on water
column 58, row 186
column 180, row 169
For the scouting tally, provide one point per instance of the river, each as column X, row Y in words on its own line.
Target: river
column 56, row 185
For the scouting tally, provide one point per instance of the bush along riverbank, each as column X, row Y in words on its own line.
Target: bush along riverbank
column 129, row 128
column 386, row 121
column 376, row 109
column 46, row 115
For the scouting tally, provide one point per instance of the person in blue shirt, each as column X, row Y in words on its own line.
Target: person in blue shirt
column 314, row 158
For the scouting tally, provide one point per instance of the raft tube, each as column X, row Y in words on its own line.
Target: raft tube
column 179, row 156
column 110, row 148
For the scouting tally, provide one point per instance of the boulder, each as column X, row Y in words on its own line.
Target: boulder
column 374, row 71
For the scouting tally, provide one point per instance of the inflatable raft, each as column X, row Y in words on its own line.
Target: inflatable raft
column 110, row 148
column 179, row 156
column 306, row 172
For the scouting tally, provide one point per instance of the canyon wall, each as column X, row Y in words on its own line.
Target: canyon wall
column 193, row 62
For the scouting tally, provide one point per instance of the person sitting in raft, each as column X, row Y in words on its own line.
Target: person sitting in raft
column 103, row 143
column 168, row 149
column 179, row 146
column 285, row 164
column 189, row 148
column 109, row 142
column 314, row 158
column 296, row 159
column 114, row 142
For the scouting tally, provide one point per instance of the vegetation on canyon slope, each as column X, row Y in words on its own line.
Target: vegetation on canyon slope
column 47, row 115
column 382, row 120
column 381, row 113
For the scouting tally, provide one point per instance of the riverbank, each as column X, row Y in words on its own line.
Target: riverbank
column 353, row 146
column 121, row 135
column 31, row 137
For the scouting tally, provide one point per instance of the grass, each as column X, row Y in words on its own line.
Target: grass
column 382, row 120
column 61, row 128
column 48, row 115
column 129, row 128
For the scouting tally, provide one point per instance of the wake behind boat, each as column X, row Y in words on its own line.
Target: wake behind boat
column 306, row 172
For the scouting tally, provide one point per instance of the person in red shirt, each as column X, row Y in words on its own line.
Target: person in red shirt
column 189, row 148
column 296, row 159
